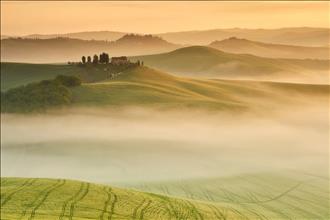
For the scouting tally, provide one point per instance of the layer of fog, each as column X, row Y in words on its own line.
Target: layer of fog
column 129, row 145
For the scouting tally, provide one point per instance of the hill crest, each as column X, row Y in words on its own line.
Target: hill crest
column 242, row 45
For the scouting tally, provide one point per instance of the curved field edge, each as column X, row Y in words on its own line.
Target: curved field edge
column 28, row 198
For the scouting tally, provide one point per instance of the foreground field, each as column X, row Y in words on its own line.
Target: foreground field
column 285, row 195
column 63, row 199
column 260, row 196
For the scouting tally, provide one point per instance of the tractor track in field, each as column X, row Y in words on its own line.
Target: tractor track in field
column 108, row 202
column 142, row 207
column 134, row 215
column 40, row 195
column 108, row 192
column 275, row 197
column 270, row 208
column 112, row 207
column 217, row 213
column 170, row 208
column 27, row 183
column 79, row 195
column 197, row 215
column 47, row 192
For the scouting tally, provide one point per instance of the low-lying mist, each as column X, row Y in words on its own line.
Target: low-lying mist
column 128, row 145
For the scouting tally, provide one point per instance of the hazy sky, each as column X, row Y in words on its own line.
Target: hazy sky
column 19, row 18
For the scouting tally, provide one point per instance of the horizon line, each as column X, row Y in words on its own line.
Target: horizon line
column 167, row 32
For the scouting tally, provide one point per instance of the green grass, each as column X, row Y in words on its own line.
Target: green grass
column 17, row 74
column 255, row 196
column 285, row 195
column 143, row 86
column 23, row 198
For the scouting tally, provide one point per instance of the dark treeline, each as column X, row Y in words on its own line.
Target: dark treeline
column 102, row 58
column 38, row 97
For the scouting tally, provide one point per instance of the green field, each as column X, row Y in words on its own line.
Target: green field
column 144, row 86
column 17, row 74
column 149, row 87
column 255, row 196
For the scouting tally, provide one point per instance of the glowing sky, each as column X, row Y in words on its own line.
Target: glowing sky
column 19, row 18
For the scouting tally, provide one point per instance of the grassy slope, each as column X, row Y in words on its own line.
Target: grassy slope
column 288, row 195
column 16, row 74
column 205, row 61
column 146, row 86
column 259, row 196
column 23, row 198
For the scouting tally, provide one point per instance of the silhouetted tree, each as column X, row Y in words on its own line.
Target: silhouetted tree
column 89, row 59
column 95, row 59
column 83, row 59
column 101, row 59
column 106, row 58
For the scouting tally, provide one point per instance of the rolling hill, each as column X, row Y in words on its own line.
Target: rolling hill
column 64, row 199
column 85, row 35
column 143, row 86
column 294, row 196
column 244, row 46
column 56, row 50
column 299, row 36
column 273, row 195
column 200, row 61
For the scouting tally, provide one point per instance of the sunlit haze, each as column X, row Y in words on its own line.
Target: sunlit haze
column 20, row 18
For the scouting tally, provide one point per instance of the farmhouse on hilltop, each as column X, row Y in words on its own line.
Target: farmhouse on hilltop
column 119, row 60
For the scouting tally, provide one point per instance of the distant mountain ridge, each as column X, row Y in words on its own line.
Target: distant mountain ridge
column 245, row 46
column 68, row 49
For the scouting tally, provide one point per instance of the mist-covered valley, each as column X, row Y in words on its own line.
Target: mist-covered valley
column 140, row 145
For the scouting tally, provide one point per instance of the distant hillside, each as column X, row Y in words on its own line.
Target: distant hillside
column 67, row 49
column 244, row 46
column 86, row 35
column 143, row 86
column 302, row 36
column 211, row 63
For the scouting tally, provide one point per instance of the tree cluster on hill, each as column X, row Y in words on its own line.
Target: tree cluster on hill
column 103, row 58
column 36, row 97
